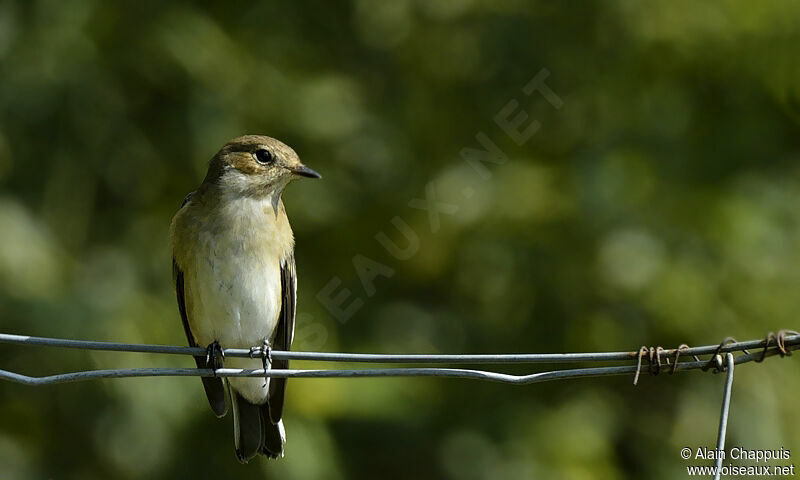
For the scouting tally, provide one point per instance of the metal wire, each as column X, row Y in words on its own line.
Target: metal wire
column 782, row 345
column 723, row 417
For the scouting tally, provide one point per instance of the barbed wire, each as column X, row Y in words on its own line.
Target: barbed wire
column 656, row 359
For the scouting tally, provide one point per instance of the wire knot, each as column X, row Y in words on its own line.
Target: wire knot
column 780, row 343
column 716, row 360
column 657, row 357
column 654, row 361
column 681, row 348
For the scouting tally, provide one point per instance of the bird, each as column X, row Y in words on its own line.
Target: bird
column 233, row 268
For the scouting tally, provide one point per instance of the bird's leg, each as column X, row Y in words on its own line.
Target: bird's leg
column 214, row 356
column 265, row 352
column 266, row 358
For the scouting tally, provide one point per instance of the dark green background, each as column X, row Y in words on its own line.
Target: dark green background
column 658, row 206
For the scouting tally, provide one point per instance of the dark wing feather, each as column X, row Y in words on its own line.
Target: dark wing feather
column 283, row 336
column 215, row 388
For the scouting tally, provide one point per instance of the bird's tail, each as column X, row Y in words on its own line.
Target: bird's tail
column 253, row 430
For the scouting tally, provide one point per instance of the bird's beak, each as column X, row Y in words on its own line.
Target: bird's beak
column 304, row 171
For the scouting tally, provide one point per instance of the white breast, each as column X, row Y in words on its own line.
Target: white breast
column 236, row 294
column 233, row 283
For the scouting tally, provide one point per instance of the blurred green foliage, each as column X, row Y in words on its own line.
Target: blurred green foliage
column 659, row 205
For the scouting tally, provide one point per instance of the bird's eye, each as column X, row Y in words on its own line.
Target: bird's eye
column 264, row 157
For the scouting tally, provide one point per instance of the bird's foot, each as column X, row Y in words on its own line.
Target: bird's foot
column 265, row 352
column 214, row 356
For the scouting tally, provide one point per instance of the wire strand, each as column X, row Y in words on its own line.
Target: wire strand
column 793, row 339
column 723, row 416
column 783, row 344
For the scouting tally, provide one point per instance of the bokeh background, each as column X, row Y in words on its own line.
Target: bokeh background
column 658, row 205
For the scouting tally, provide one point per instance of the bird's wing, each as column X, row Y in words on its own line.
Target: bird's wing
column 214, row 387
column 283, row 335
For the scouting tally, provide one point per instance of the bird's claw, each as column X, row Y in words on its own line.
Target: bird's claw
column 266, row 359
column 214, row 356
column 265, row 352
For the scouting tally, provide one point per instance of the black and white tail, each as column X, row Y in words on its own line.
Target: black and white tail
column 253, row 430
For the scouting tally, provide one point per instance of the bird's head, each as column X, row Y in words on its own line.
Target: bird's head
column 256, row 166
